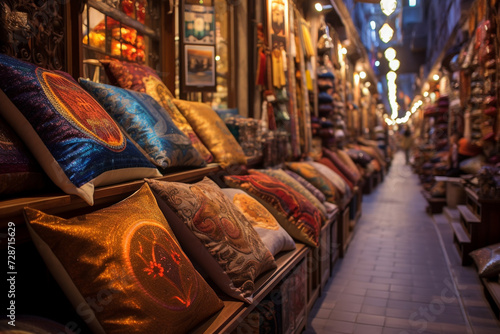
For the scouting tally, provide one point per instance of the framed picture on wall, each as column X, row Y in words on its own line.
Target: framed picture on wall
column 199, row 67
column 199, row 24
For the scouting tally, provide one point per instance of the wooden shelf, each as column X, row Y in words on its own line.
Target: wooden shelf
column 460, row 233
column 492, row 292
column 467, row 215
column 234, row 311
column 64, row 205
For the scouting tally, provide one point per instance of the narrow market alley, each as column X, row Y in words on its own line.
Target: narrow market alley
column 401, row 274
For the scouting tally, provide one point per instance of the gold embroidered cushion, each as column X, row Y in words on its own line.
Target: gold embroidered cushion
column 215, row 234
column 270, row 231
column 128, row 256
column 213, row 132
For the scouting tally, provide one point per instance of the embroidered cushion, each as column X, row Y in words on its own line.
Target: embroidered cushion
column 317, row 179
column 292, row 210
column 312, row 189
column 213, row 132
column 75, row 141
column 327, row 162
column 215, row 234
column 144, row 79
column 487, row 260
column 340, row 185
column 126, row 259
column 147, row 123
column 19, row 171
column 347, row 171
column 272, row 234
column 290, row 181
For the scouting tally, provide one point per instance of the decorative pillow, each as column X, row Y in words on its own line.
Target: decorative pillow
column 290, row 181
column 344, row 156
column 19, row 171
column 339, row 183
column 215, row 234
column 292, row 210
column 351, row 174
column 359, row 157
column 487, row 260
column 328, row 163
column 132, row 76
column 270, row 231
column 213, row 132
column 32, row 324
column 312, row 189
column 144, row 79
column 127, row 256
column 317, row 179
column 73, row 138
column 147, row 123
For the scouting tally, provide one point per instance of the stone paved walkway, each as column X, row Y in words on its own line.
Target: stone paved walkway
column 401, row 274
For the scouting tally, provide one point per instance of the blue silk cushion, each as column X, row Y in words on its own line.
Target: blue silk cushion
column 73, row 138
column 147, row 123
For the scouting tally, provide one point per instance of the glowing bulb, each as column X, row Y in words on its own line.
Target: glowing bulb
column 390, row 54
column 343, row 51
column 318, row 7
column 413, row 3
column 388, row 6
column 435, row 77
column 217, row 58
column 386, row 33
column 394, row 64
column 426, row 94
column 373, row 25
column 362, row 74
column 391, row 76
column 377, row 63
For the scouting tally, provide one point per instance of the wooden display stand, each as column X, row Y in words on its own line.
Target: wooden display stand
column 492, row 293
column 434, row 204
column 478, row 226
column 344, row 233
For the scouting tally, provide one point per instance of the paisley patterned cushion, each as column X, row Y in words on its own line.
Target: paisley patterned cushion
column 144, row 79
column 147, row 123
column 272, row 234
column 317, row 179
column 306, row 184
column 215, row 234
column 213, row 132
column 126, row 259
column 292, row 210
column 73, row 138
column 290, row 181
column 19, row 171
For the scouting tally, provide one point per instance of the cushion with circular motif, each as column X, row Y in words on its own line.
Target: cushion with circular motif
column 123, row 269
column 147, row 123
column 75, row 141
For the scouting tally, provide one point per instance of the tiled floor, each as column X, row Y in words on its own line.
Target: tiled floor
column 401, row 273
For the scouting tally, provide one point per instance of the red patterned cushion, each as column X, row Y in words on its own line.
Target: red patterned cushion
column 294, row 212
